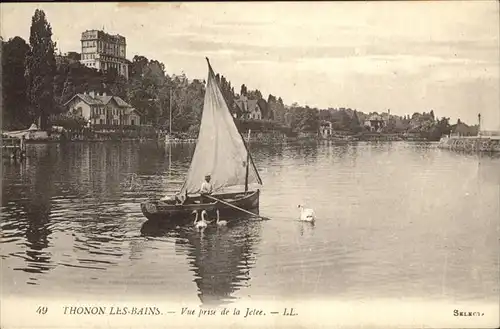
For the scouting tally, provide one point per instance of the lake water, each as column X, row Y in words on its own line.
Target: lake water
column 394, row 220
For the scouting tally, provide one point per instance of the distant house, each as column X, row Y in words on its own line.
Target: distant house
column 248, row 108
column 461, row 129
column 102, row 109
column 376, row 122
column 325, row 129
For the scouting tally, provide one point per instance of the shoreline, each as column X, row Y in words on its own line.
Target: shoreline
column 252, row 140
column 471, row 144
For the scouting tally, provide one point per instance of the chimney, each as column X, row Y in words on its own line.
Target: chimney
column 92, row 93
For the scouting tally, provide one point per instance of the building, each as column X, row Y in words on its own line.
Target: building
column 375, row 122
column 326, row 129
column 103, row 51
column 462, row 129
column 248, row 108
column 102, row 109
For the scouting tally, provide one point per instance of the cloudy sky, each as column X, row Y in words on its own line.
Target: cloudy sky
column 372, row 56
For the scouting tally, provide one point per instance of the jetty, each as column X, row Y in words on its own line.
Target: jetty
column 471, row 143
column 13, row 147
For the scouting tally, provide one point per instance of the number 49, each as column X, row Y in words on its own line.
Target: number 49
column 42, row 309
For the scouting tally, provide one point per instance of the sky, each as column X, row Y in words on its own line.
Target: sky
column 371, row 56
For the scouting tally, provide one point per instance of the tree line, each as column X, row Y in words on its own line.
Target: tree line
column 36, row 87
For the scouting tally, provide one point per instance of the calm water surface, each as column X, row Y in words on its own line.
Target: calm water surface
column 394, row 220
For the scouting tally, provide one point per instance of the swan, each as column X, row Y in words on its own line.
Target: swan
column 306, row 214
column 220, row 222
column 202, row 224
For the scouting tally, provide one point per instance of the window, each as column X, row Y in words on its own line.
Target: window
column 132, row 122
column 100, row 121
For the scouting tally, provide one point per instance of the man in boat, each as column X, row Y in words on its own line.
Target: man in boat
column 206, row 189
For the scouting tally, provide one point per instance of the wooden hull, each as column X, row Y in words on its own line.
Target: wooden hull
column 182, row 214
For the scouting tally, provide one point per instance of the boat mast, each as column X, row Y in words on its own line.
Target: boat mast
column 170, row 118
column 248, row 160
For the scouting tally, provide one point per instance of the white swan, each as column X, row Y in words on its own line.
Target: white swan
column 306, row 214
column 201, row 224
column 220, row 222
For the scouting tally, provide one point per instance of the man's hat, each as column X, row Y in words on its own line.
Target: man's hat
column 207, row 175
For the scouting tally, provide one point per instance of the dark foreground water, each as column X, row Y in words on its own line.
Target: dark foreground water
column 394, row 220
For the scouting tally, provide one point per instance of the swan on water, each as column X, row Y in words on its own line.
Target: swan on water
column 199, row 224
column 306, row 214
column 220, row 222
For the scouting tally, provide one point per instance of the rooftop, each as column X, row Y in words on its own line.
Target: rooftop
column 97, row 99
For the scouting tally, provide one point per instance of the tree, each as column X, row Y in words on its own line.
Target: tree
column 254, row 94
column 304, row 119
column 278, row 109
column 272, row 104
column 15, row 112
column 243, row 91
column 68, row 90
column 341, row 120
column 40, row 69
column 440, row 128
column 137, row 67
column 227, row 91
column 74, row 56
column 148, row 89
column 264, row 108
column 355, row 125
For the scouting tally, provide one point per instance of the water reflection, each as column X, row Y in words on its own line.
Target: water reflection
column 307, row 229
column 76, row 207
column 82, row 188
column 307, row 150
column 36, row 207
column 489, row 169
column 220, row 257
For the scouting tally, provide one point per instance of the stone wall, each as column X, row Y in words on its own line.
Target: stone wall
column 471, row 144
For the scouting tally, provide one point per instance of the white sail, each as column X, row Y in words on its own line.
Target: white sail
column 220, row 150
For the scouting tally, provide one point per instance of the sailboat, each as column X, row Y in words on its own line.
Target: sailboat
column 220, row 151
